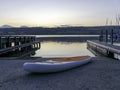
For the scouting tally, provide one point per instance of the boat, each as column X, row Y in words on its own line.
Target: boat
column 56, row 65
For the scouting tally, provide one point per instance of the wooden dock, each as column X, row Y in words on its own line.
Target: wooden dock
column 102, row 48
column 16, row 44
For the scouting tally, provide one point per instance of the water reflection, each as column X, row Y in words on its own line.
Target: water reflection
column 62, row 49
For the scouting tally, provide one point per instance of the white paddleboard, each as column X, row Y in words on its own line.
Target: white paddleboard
column 56, row 65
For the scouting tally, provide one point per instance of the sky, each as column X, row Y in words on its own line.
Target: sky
column 52, row 13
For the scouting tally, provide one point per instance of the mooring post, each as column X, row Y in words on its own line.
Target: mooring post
column 0, row 42
column 112, row 36
column 24, row 39
column 16, row 41
column 8, row 43
column 101, row 36
column 39, row 45
column 106, row 32
column 34, row 38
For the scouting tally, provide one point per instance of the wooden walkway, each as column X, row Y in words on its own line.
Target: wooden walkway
column 14, row 45
column 5, row 50
column 101, row 48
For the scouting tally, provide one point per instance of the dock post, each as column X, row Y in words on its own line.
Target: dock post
column 0, row 42
column 16, row 41
column 39, row 45
column 106, row 32
column 8, row 43
column 33, row 38
column 112, row 36
column 101, row 36
column 24, row 39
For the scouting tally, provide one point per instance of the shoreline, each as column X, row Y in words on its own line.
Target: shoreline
column 101, row 74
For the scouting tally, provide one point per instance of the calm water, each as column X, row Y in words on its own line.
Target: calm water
column 67, row 35
column 62, row 49
column 61, row 35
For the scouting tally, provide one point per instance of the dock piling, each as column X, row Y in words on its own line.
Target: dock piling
column 112, row 36
column 17, row 44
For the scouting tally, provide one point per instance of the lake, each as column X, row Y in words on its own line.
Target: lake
column 57, row 46
column 60, row 35
column 63, row 46
column 51, row 49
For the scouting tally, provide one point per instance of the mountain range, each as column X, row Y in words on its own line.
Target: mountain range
column 6, row 26
column 9, row 26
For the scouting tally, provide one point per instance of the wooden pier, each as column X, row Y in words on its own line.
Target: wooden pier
column 101, row 48
column 17, row 44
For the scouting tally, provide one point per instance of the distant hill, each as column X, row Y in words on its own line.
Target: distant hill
column 23, row 26
column 95, row 30
column 6, row 26
column 9, row 26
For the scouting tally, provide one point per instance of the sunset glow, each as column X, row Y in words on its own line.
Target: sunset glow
column 50, row 13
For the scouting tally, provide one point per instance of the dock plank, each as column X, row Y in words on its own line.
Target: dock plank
column 16, row 47
column 104, row 48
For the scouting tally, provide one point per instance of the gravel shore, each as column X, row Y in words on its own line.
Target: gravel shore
column 101, row 74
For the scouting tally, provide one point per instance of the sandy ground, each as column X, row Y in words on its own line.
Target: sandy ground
column 101, row 74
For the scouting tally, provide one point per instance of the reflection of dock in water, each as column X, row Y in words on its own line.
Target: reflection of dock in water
column 18, row 46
